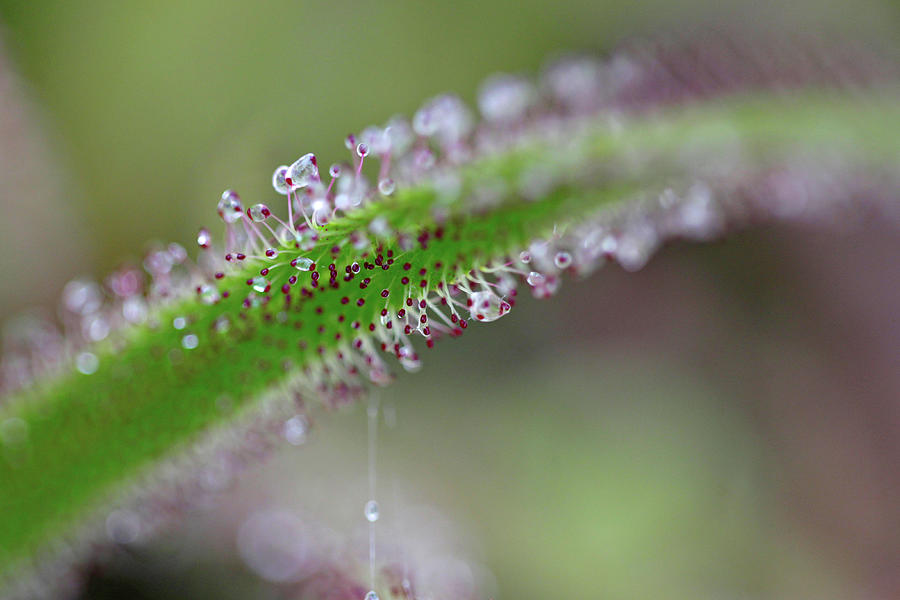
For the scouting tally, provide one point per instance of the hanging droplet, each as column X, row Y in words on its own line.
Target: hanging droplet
column 399, row 135
column 303, row 172
column 386, row 186
column 203, row 238
column 562, row 260
column 260, row 284
column 87, row 363
column 230, row 207
column 535, row 279
column 295, row 430
column 486, row 306
column 575, row 82
column 259, row 212
column 301, row 263
column 371, row 511
column 208, row 293
column 279, row 180
column 505, row 98
column 446, row 118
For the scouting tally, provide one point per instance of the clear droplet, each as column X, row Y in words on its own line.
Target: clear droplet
column 575, row 82
column 505, row 98
column 562, row 260
column 190, row 341
column 179, row 323
column 87, row 363
column 486, row 306
column 445, row 118
column 208, row 294
column 371, row 511
column 386, row 186
column 362, row 150
column 295, row 430
column 525, row 256
column 230, row 207
column 203, row 238
column 301, row 263
column 259, row 212
column 278, row 180
column 535, row 279
column 335, row 170
column 260, row 284
column 303, row 171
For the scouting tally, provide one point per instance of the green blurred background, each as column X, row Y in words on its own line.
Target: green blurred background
column 702, row 429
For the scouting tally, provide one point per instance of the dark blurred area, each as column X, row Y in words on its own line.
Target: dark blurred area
column 724, row 423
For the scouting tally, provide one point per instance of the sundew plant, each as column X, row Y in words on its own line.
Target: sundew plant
column 432, row 225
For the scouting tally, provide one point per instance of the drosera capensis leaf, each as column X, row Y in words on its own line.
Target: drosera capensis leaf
column 315, row 303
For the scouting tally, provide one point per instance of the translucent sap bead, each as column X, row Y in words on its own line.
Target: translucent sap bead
column 203, row 238
column 302, row 263
column 362, row 150
column 525, row 257
column 295, row 430
column 335, row 171
column 505, row 98
column 371, row 511
column 486, row 306
column 303, row 172
column 575, row 82
column 259, row 212
column 562, row 260
column 190, row 341
column 445, row 117
column 386, row 186
column 399, row 135
column 279, row 180
column 376, row 139
column 230, row 207
column 87, row 363
column 208, row 294
column 260, row 284
column 535, row 279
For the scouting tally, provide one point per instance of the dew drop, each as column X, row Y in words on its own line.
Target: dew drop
column 386, row 186
column 230, row 207
column 208, row 294
column 278, row 180
column 179, row 323
column 371, row 511
column 535, row 279
column 303, row 171
column 445, row 117
column 203, row 238
column 190, row 341
column 505, row 98
column 87, row 363
column 259, row 212
column 525, row 257
column 486, row 306
column 562, row 260
column 260, row 284
column 295, row 429
column 301, row 263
